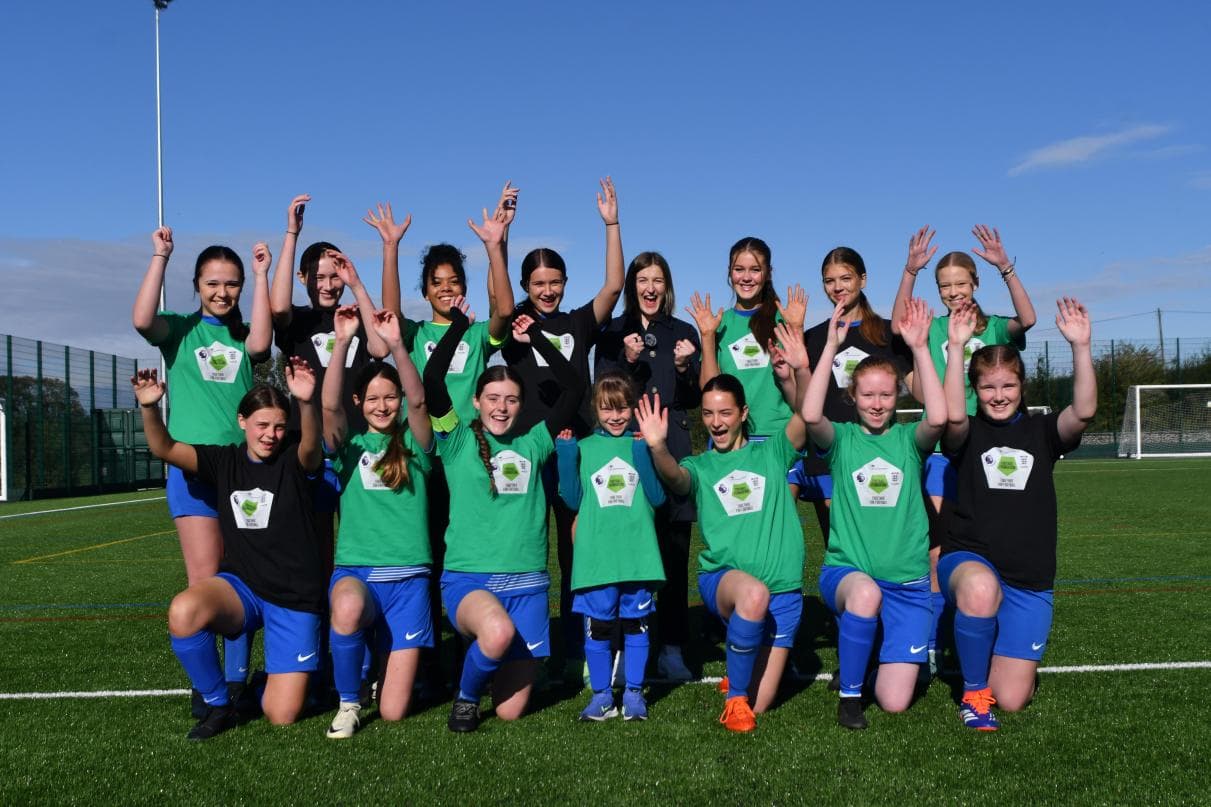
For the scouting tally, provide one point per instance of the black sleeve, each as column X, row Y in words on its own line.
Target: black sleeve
column 571, row 385
column 437, row 397
column 1056, row 447
column 209, row 460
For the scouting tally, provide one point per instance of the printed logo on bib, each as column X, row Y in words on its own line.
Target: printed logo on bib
column 741, row 492
column 325, row 342
column 219, row 362
column 458, row 363
column 615, row 483
column 973, row 344
column 251, row 508
column 1007, row 468
column 511, row 472
column 878, row 484
column 365, row 466
column 844, row 364
column 564, row 343
column 747, row 354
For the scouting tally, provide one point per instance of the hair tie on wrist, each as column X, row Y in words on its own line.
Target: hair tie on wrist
column 159, row 255
column 292, row 232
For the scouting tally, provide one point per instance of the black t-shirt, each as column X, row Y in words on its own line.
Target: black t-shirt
column 1006, row 511
column 311, row 335
column 572, row 334
column 265, row 514
column 838, row 406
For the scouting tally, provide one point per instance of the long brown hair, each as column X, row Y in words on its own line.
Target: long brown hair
column 873, row 328
column 497, row 372
column 392, row 467
column 964, row 260
column 762, row 322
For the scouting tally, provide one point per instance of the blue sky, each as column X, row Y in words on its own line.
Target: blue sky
column 1081, row 130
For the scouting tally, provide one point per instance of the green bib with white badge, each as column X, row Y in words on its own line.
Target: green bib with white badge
column 470, row 359
column 740, row 355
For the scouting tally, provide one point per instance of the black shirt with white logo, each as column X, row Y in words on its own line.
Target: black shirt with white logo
column 572, row 334
column 838, row 405
column 1006, row 510
column 265, row 514
column 309, row 335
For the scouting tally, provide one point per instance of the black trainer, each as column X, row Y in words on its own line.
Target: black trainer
column 834, row 683
column 849, row 713
column 464, row 716
column 218, row 719
column 197, row 705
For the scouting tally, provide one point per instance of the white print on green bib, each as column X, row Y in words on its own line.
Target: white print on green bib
column 741, row 492
column 219, row 362
column 844, row 364
column 325, row 342
column 973, row 344
column 615, row 483
column 512, row 472
column 564, row 343
column 251, row 508
column 747, row 354
column 878, row 484
column 458, row 363
column 1007, row 468
column 365, row 466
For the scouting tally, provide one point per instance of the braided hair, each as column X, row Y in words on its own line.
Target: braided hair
column 499, row 372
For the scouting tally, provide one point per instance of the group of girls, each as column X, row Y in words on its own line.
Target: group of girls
column 444, row 463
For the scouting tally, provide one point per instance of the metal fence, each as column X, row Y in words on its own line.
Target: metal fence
column 71, row 423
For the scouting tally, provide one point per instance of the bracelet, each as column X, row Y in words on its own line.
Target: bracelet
column 292, row 232
column 914, row 272
column 611, row 224
column 1007, row 273
column 159, row 255
column 150, row 405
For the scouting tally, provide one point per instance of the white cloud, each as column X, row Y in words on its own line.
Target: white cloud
column 1151, row 281
column 1083, row 149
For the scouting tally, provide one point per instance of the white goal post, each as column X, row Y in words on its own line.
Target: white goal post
column 1166, row 420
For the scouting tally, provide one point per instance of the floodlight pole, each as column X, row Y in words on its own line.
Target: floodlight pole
column 160, row 198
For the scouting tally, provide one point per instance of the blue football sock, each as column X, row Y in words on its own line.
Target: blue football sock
column 743, row 641
column 200, row 658
column 974, row 637
column 347, row 654
column 478, row 669
column 367, row 662
column 635, row 660
column 600, row 659
column 855, row 642
column 236, row 653
column 937, row 603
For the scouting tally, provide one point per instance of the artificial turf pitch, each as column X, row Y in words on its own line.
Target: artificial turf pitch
column 82, row 601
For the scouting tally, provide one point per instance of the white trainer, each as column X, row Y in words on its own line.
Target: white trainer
column 345, row 722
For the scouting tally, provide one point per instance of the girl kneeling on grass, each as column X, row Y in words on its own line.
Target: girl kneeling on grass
column 608, row 477
column 998, row 557
column 751, row 570
column 876, row 567
column 382, row 555
column 272, row 571
column 495, row 581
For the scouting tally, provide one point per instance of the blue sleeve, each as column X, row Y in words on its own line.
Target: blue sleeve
column 647, row 473
column 567, row 460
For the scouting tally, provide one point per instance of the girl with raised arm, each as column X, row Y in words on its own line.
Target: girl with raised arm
column 751, row 569
column 272, row 571
column 957, row 282
column 876, row 567
column 208, row 355
column 998, row 557
column 495, row 579
column 381, row 580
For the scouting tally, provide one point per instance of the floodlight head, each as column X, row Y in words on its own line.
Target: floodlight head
column 161, row 4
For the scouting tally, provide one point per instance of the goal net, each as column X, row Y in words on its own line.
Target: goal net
column 1166, row 420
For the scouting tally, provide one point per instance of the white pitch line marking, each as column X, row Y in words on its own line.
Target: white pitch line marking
column 82, row 507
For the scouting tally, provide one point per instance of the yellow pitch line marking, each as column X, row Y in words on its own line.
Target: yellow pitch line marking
column 94, row 546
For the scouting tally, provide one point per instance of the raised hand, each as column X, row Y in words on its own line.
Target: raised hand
column 920, row 250
column 300, row 379
column 461, row 303
column 294, row 214
column 962, row 323
column 791, row 346
column 781, row 367
column 345, row 321
column 683, row 351
column 383, row 220
column 653, row 420
column 838, row 327
column 161, row 241
column 914, row 326
column 148, row 389
column 492, row 231
column 607, row 202
column 632, row 345
column 344, row 267
column 1073, row 321
column 565, row 434
column 795, row 309
column 521, row 328
column 706, row 319
column 506, row 206
column 993, row 250
column 261, row 257
column 386, row 325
